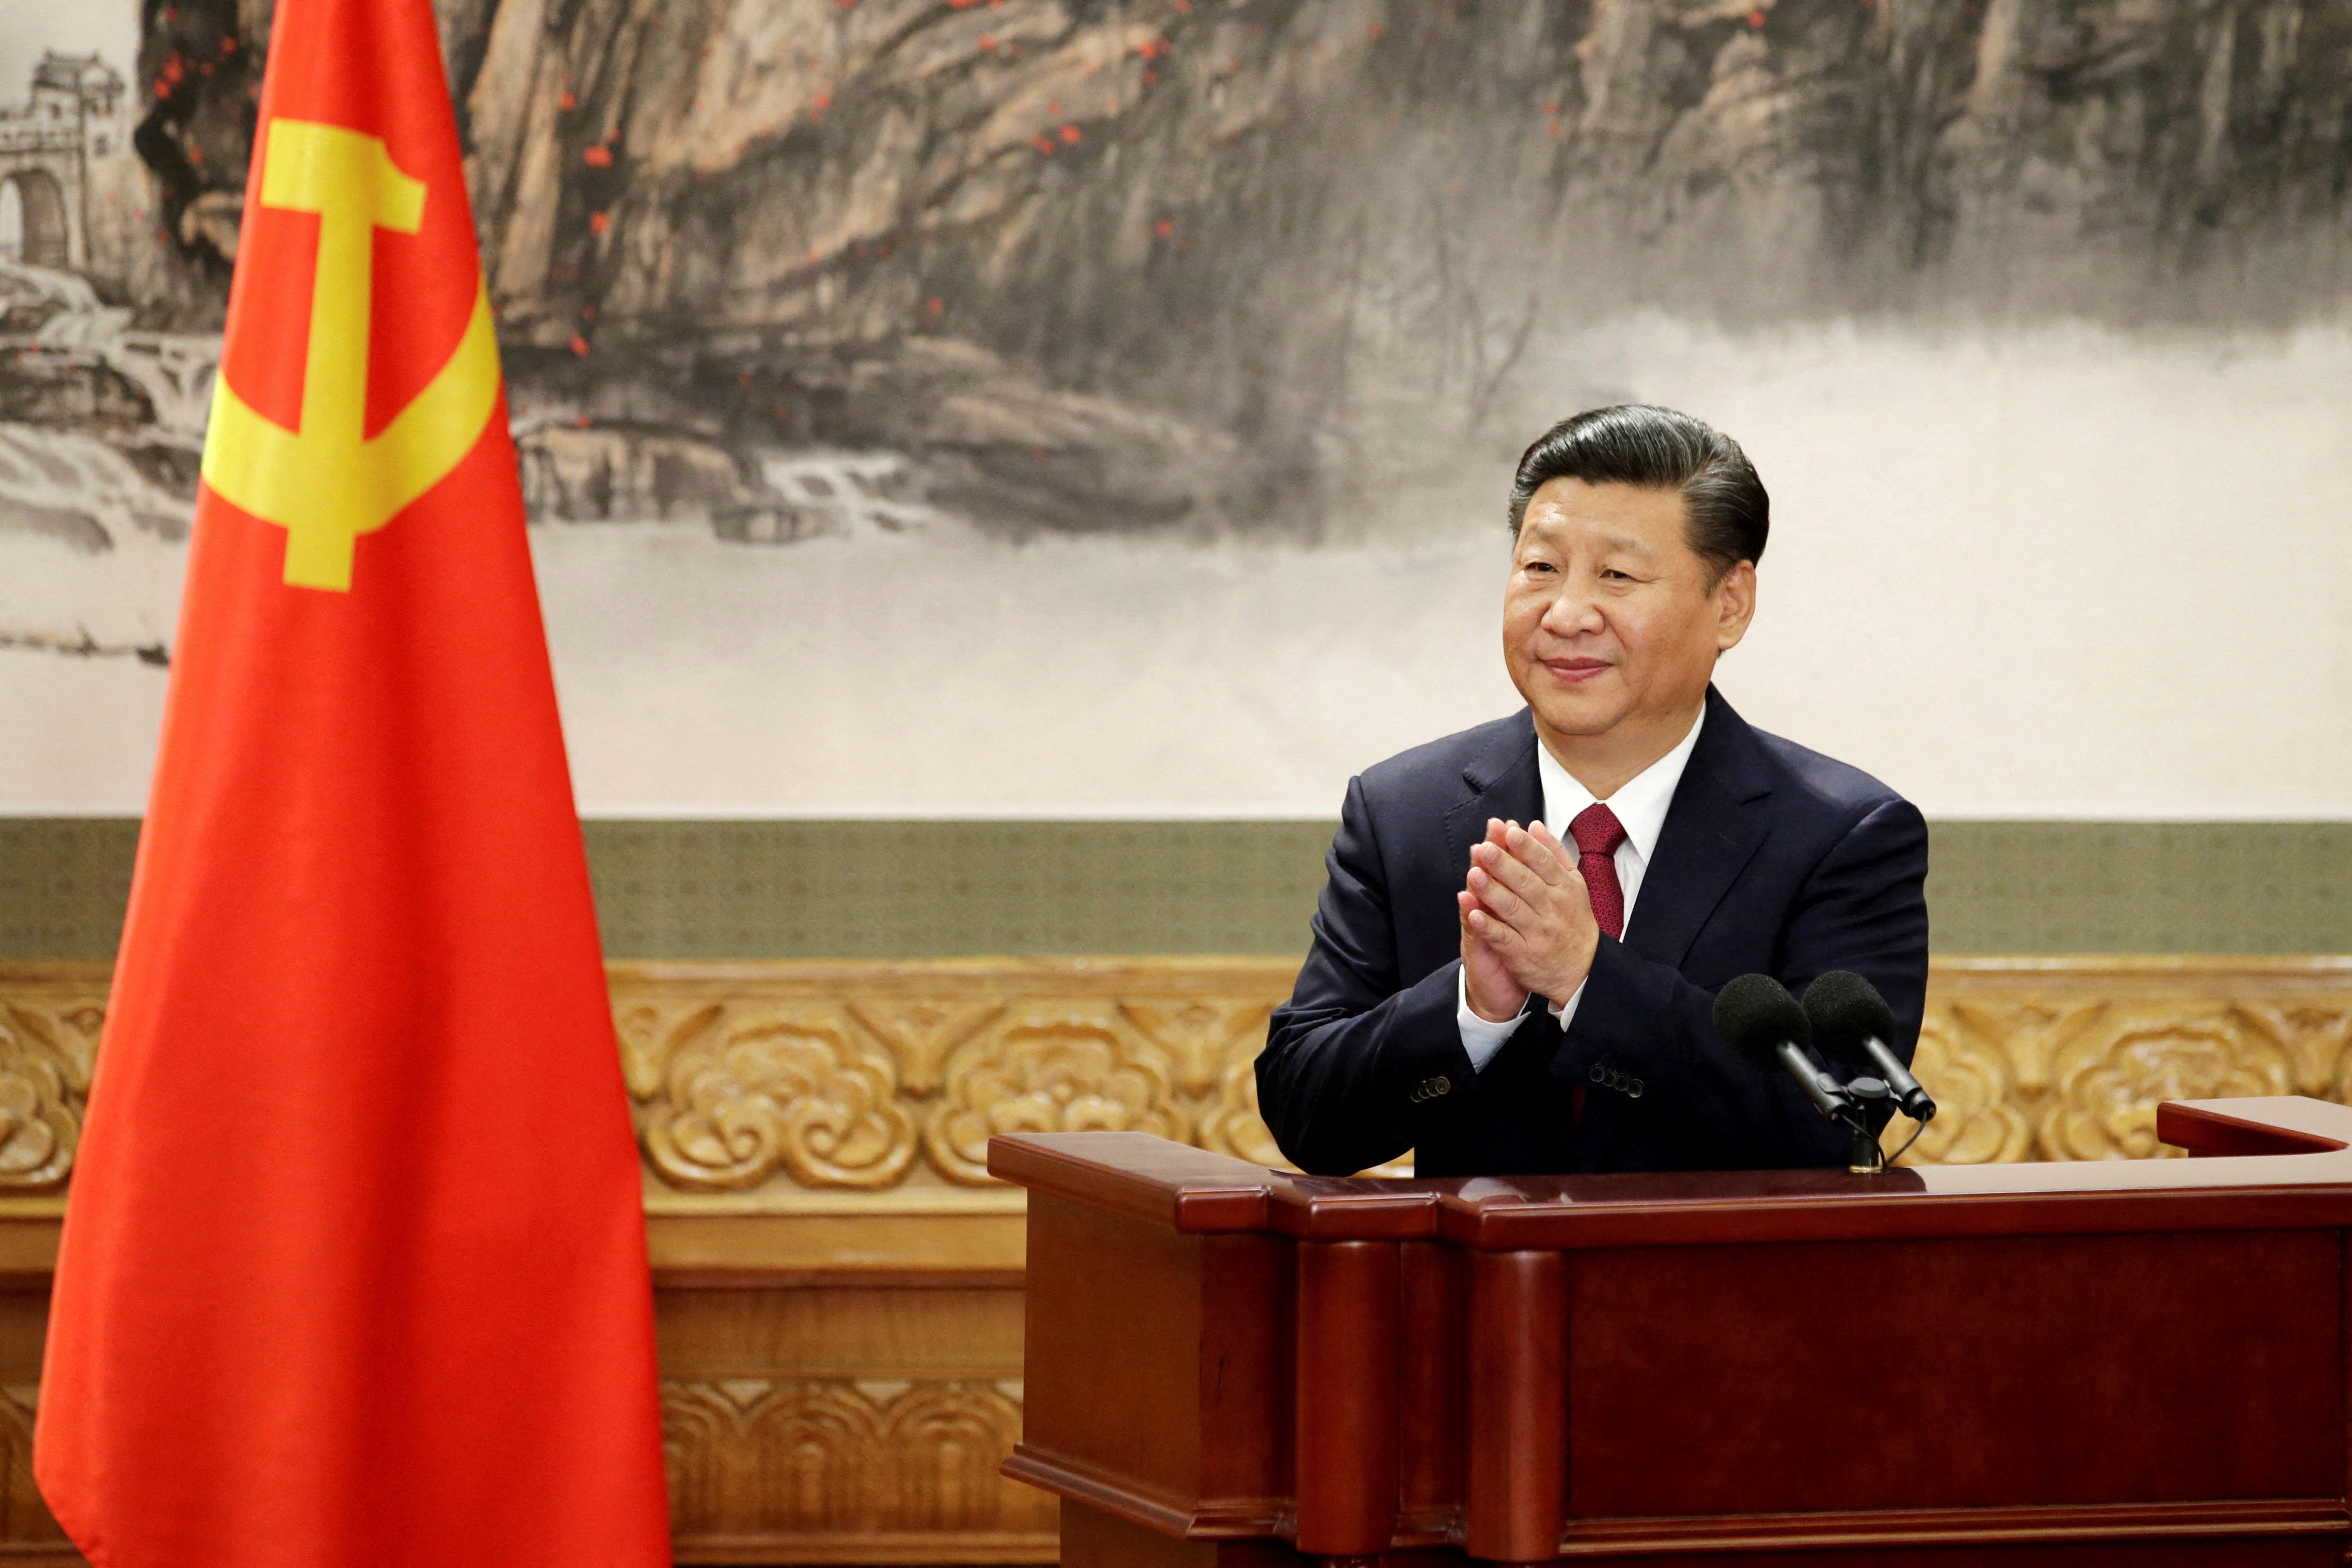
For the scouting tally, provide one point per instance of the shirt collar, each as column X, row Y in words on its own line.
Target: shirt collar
column 1640, row 802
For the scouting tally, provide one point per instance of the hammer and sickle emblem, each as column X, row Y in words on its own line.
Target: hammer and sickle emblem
column 327, row 482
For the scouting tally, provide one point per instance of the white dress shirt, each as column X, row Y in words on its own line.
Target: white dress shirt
column 1641, row 805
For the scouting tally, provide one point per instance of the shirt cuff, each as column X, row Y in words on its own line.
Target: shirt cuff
column 1565, row 1011
column 1482, row 1037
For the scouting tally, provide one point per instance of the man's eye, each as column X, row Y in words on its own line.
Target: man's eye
column 1536, row 567
column 1613, row 575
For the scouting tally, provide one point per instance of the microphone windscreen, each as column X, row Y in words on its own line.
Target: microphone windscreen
column 1753, row 1014
column 1845, row 1011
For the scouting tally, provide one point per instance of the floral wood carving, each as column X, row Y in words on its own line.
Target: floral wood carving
column 741, row 1097
column 2038, row 1065
column 759, row 1080
column 1233, row 1125
column 1201, row 1035
column 2027, row 1038
column 2111, row 1083
column 819, row 1456
column 2318, row 1039
column 1977, row 1120
column 45, row 1060
column 1049, row 1071
column 920, row 1033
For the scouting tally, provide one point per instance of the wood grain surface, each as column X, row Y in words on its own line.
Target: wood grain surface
column 2050, row 1363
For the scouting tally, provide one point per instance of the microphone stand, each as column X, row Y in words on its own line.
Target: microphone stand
column 1865, row 1157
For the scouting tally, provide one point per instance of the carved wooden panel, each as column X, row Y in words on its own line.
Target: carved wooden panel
column 834, row 1465
column 49, row 1040
column 2067, row 1060
column 732, row 1098
column 897, row 1075
column 756, row 1083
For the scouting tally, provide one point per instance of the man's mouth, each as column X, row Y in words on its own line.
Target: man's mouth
column 1574, row 672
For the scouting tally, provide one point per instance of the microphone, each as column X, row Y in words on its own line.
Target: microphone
column 1762, row 1023
column 1851, row 1023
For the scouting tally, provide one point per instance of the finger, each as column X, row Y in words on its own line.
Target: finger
column 1496, row 934
column 1500, row 900
column 1508, row 910
column 1571, row 870
column 1535, row 849
column 1545, row 855
column 1512, row 871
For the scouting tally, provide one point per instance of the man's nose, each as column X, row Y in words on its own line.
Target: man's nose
column 1574, row 609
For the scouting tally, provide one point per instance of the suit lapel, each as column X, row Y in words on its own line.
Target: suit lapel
column 1503, row 782
column 1714, row 828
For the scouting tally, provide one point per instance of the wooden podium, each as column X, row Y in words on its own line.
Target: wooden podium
column 2139, row 1362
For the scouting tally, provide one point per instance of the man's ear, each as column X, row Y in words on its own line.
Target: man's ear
column 1735, row 605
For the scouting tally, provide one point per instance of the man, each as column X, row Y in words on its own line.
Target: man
column 1504, row 999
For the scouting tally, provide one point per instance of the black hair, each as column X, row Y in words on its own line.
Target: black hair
column 1727, row 511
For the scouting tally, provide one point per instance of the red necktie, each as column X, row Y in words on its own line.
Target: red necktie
column 1597, row 832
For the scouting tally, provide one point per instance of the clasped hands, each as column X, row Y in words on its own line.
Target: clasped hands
column 1526, row 921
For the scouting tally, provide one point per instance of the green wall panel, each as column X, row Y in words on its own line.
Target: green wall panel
column 928, row 889
column 2141, row 887
column 63, row 884
column 893, row 890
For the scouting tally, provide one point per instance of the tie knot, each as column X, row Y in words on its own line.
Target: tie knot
column 1597, row 831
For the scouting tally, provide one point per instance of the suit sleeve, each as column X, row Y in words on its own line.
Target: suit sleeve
column 1862, row 908
column 1353, row 1062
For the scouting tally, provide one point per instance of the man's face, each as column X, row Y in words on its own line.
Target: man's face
column 1610, row 619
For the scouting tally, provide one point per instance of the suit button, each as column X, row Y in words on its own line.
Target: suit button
column 1599, row 1075
column 1635, row 1090
column 1431, row 1088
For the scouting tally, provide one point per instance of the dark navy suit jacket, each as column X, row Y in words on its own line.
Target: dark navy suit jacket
column 1773, row 859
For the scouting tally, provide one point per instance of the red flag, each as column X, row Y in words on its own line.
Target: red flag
column 354, row 1271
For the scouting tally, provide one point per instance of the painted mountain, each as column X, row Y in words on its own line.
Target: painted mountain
column 1220, row 263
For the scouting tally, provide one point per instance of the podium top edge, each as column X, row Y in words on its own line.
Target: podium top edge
column 2279, row 1161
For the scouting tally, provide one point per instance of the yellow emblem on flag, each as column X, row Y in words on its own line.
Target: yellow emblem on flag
column 327, row 483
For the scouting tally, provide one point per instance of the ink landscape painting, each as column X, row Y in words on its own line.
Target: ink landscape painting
column 1079, row 408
